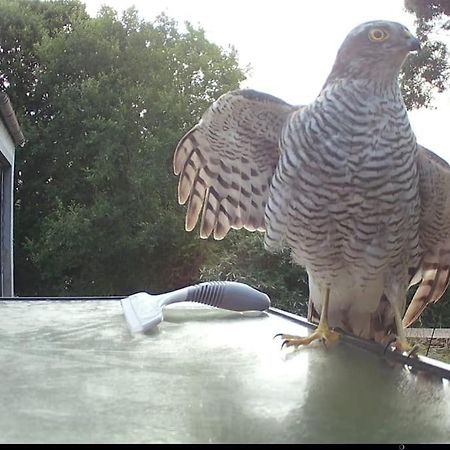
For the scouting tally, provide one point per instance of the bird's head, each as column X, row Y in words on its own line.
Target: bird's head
column 374, row 50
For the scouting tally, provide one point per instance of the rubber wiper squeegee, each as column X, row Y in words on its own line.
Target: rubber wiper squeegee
column 143, row 311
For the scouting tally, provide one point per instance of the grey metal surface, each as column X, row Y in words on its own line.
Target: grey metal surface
column 415, row 363
column 72, row 373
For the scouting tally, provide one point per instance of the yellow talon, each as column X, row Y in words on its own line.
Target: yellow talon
column 323, row 332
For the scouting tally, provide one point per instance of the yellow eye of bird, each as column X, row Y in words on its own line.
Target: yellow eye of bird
column 378, row 35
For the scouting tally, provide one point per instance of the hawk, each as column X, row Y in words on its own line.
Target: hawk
column 341, row 181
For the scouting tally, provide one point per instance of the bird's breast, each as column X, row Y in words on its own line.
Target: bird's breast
column 355, row 188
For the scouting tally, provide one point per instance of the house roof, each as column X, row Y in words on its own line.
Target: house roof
column 9, row 117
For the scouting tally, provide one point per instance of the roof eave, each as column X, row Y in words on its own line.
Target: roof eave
column 10, row 119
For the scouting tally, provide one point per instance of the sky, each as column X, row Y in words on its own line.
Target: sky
column 290, row 45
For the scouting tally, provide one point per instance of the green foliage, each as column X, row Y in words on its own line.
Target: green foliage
column 427, row 72
column 424, row 74
column 428, row 10
column 106, row 101
column 23, row 24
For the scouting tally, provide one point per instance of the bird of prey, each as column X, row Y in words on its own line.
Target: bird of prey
column 341, row 181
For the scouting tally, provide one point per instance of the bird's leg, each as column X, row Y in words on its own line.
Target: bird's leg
column 323, row 331
column 401, row 343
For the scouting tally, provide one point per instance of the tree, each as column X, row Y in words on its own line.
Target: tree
column 106, row 101
column 429, row 10
column 426, row 72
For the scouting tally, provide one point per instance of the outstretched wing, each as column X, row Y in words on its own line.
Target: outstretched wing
column 225, row 163
column 434, row 273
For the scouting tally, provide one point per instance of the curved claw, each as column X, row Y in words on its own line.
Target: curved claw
column 291, row 342
column 328, row 337
column 287, row 339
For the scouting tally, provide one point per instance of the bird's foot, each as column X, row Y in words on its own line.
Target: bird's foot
column 323, row 332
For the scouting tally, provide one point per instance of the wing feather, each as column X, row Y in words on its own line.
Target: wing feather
column 226, row 161
column 434, row 273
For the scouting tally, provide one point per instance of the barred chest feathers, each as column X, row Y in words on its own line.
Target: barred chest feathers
column 349, row 163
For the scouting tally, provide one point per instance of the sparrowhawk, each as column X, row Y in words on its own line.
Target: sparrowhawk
column 340, row 181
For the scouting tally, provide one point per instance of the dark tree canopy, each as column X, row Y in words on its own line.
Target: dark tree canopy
column 103, row 102
column 428, row 10
column 427, row 72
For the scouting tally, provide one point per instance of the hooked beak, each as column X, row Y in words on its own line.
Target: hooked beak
column 413, row 44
